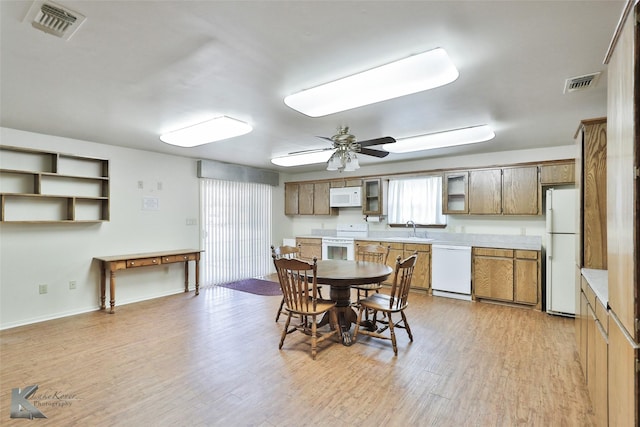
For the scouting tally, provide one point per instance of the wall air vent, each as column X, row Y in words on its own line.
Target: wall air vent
column 581, row 82
column 54, row 19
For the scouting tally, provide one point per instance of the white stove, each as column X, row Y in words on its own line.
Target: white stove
column 343, row 245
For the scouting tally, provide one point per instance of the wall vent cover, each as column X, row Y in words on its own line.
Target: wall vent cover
column 54, row 19
column 581, row 82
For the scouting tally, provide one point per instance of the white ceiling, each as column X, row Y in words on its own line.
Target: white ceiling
column 136, row 69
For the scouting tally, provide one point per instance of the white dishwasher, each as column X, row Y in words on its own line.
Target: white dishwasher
column 451, row 271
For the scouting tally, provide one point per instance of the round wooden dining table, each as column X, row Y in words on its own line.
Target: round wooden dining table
column 340, row 275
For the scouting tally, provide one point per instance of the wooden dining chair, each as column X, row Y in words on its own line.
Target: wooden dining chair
column 298, row 281
column 370, row 253
column 287, row 252
column 395, row 302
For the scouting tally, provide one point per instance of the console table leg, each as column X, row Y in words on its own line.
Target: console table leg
column 103, row 287
column 198, row 274
column 186, row 276
column 112, row 291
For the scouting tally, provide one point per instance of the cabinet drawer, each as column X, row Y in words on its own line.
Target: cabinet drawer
column 393, row 245
column 417, row 247
column 142, row 262
column 591, row 297
column 602, row 315
column 178, row 258
column 503, row 253
column 527, row 254
column 308, row 241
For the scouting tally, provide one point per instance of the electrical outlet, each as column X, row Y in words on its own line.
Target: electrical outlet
column 72, row 284
column 43, row 289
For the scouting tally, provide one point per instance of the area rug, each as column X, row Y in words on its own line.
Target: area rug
column 255, row 286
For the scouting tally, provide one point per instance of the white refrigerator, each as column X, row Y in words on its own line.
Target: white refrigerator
column 560, row 250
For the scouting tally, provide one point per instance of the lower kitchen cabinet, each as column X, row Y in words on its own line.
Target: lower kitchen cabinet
column 601, row 386
column 593, row 350
column 493, row 273
column 623, row 362
column 507, row 275
column 309, row 248
column 526, row 279
column 422, row 271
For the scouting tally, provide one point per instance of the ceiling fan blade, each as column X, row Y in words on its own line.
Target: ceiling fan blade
column 375, row 153
column 377, row 141
column 311, row 150
column 325, row 137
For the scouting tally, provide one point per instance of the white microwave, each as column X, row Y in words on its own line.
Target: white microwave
column 345, row 197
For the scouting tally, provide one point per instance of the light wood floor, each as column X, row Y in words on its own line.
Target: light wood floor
column 213, row 360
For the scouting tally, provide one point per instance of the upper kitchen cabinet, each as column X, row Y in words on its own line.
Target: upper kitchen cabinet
column 307, row 198
column 291, row 191
column 501, row 191
column 455, row 192
column 347, row 182
column 591, row 139
column 372, row 197
column 520, row 191
column 558, row 174
column 485, row 191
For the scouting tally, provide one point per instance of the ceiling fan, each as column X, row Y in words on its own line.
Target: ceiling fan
column 346, row 146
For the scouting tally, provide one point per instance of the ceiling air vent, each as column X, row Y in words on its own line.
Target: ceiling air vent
column 54, row 19
column 581, row 82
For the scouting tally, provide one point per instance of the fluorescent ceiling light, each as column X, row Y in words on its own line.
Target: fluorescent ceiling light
column 449, row 138
column 303, row 159
column 416, row 73
column 217, row 129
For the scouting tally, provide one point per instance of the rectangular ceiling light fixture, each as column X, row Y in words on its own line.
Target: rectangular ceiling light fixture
column 303, row 158
column 413, row 74
column 450, row 138
column 217, row 129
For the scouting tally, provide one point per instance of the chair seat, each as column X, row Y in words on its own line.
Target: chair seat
column 380, row 302
column 368, row 287
column 321, row 307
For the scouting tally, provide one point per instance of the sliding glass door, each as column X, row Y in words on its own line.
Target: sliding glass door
column 236, row 224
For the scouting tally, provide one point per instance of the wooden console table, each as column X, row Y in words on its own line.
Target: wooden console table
column 114, row 263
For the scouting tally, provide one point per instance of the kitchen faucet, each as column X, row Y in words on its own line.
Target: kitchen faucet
column 414, row 227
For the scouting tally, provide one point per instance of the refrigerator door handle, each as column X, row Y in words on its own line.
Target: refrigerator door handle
column 550, row 245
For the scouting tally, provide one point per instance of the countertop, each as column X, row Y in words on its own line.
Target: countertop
column 598, row 281
column 503, row 241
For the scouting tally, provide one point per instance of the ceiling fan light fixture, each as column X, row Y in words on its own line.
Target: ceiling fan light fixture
column 450, row 138
column 303, row 159
column 413, row 74
column 334, row 163
column 216, row 129
column 351, row 163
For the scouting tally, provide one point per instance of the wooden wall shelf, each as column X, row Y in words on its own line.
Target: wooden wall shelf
column 43, row 186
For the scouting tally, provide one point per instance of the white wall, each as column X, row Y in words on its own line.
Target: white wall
column 54, row 254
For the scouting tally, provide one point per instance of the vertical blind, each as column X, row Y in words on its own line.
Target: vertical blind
column 236, row 220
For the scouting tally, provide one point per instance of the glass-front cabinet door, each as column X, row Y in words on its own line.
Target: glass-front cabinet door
column 372, row 197
column 455, row 192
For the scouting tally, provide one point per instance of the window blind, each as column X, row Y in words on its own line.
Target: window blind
column 236, row 222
